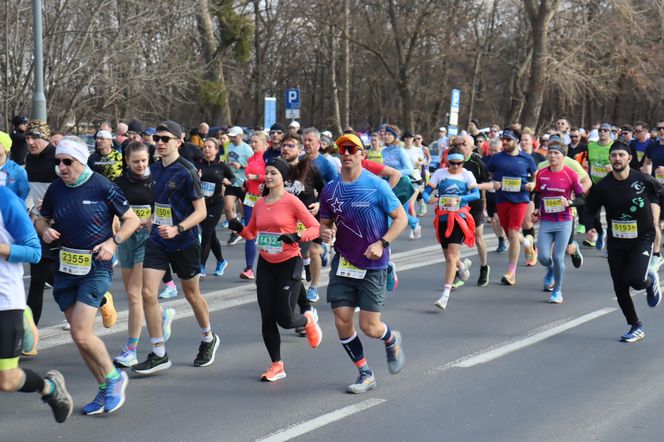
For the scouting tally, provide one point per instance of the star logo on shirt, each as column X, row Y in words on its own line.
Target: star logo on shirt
column 356, row 196
column 336, row 205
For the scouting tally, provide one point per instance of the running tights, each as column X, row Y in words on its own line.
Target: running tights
column 629, row 267
column 554, row 233
column 249, row 244
column 40, row 273
column 209, row 234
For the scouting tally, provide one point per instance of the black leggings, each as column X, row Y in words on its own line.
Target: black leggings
column 40, row 273
column 628, row 266
column 278, row 287
column 209, row 235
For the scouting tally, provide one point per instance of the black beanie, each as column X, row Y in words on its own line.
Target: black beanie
column 282, row 166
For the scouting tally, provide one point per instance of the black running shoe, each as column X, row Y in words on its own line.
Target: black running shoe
column 483, row 280
column 152, row 364
column 206, row 352
column 59, row 400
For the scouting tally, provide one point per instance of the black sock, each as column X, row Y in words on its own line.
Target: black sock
column 657, row 254
column 530, row 232
column 33, row 382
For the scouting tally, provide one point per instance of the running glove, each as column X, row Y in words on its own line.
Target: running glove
column 235, row 225
column 289, row 238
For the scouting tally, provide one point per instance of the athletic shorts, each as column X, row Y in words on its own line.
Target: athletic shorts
column 11, row 338
column 367, row 293
column 132, row 250
column 490, row 204
column 234, row 191
column 478, row 215
column 185, row 263
column 456, row 237
column 88, row 289
column 511, row 215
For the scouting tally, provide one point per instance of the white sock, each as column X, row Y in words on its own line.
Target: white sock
column 158, row 347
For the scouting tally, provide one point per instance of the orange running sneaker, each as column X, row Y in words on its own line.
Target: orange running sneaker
column 312, row 329
column 274, row 373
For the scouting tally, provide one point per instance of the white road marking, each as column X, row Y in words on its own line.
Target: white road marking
column 305, row 427
column 518, row 343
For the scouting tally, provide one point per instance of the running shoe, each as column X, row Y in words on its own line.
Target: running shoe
column 202, row 273
column 395, row 355
column 207, row 352
column 364, row 382
column 458, row 282
column 549, row 281
column 47, row 286
column 274, row 373
column 59, row 400
column 247, row 274
column 588, row 243
column 97, row 404
column 529, row 250
column 508, row 279
column 581, row 230
column 655, row 263
column 441, row 303
column 465, row 273
column 324, row 257
column 313, row 330
column 634, row 334
column 599, row 244
column 108, row 314
column 312, row 294
column 152, row 364
column 411, row 234
column 417, row 232
column 169, row 292
column 125, row 359
column 652, row 291
column 392, row 278
column 115, row 393
column 30, row 333
column 65, row 325
column 483, row 280
column 233, row 239
column 167, row 316
column 502, row 247
column 556, row 297
column 423, row 209
column 225, row 224
column 299, row 331
column 221, row 266
column 577, row 257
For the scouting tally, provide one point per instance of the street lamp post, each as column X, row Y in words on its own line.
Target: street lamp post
column 38, row 97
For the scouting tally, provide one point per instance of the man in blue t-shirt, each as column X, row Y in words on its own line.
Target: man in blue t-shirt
column 653, row 164
column 78, row 209
column 179, row 207
column 359, row 204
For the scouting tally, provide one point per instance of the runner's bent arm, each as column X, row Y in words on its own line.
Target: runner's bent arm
column 26, row 247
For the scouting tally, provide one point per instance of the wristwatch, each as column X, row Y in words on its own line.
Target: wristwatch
column 116, row 239
column 180, row 228
column 385, row 243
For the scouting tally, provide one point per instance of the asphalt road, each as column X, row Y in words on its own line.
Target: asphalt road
column 499, row 364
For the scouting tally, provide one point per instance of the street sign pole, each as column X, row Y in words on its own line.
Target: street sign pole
column 293, row 100
column 453, row 126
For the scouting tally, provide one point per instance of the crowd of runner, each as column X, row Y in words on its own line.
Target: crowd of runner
column 151, row 201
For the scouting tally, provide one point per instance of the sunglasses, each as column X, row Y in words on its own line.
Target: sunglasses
column 660, row 127
column 604, row 130
column 66, row 161
column 348, row 149
column 278, row 132
column 289, row 145
column 625, row 133
column 164, row 139
column 455, row 163
column 574, row 136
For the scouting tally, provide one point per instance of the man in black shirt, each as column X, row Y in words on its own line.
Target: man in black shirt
column 19, row 146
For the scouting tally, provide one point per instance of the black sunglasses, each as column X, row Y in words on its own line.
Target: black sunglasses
column 660, row 127
column 276, row 132
column 289, row 145
column 455, row 163
column 164, row 139
column 65, row 161
column 349, row 149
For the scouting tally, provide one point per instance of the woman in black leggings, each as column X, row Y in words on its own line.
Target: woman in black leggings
column 273, row 223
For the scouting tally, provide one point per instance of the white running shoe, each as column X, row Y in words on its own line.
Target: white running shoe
column 442, row 302
column 465, row 273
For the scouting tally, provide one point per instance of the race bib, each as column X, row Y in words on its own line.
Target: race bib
column 624, row 229
column 553, row 205
column 449, row 203
column 269, row 242
column 3, row 178
column 163, row 215
column 511, row 184
column 658, row 176
column 301, row 227
column 75, row 262
column 208, row 188
column 142, row 212
column 598, row 171
column 250, row 200
column 348, row 270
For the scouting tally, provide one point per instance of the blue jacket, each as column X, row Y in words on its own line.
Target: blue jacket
column 17, row 179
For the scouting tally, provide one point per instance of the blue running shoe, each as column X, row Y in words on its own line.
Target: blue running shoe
column 364, row 382
column 221, row 266
column 634, row 334
column 97, row 404
column 202, row 274
column 312, row 294
column 225, row 224
column 599, row 244
column 167, row 316
column 326, row 254
column 115, row 393
column 168, row 293
column 556, row 297
column 392, row 279
column 502, row 247
column 652, row 291
column 549, row 281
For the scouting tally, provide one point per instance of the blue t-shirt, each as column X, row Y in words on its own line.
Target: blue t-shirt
column 239, row 154
column 463, row 185
column 655, row 153
column 360, row 210
column 325, row 168
column 641, row 149
column 84, row 215
column 175, row 186
column 396, row 157
column 506, row 167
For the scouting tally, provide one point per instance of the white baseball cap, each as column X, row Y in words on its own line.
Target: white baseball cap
column 235, row 131
column 294, row 124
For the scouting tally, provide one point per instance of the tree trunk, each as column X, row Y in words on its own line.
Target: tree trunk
column 333, row 80
column 258, row 80
column 473, row 85
column 346, row 49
